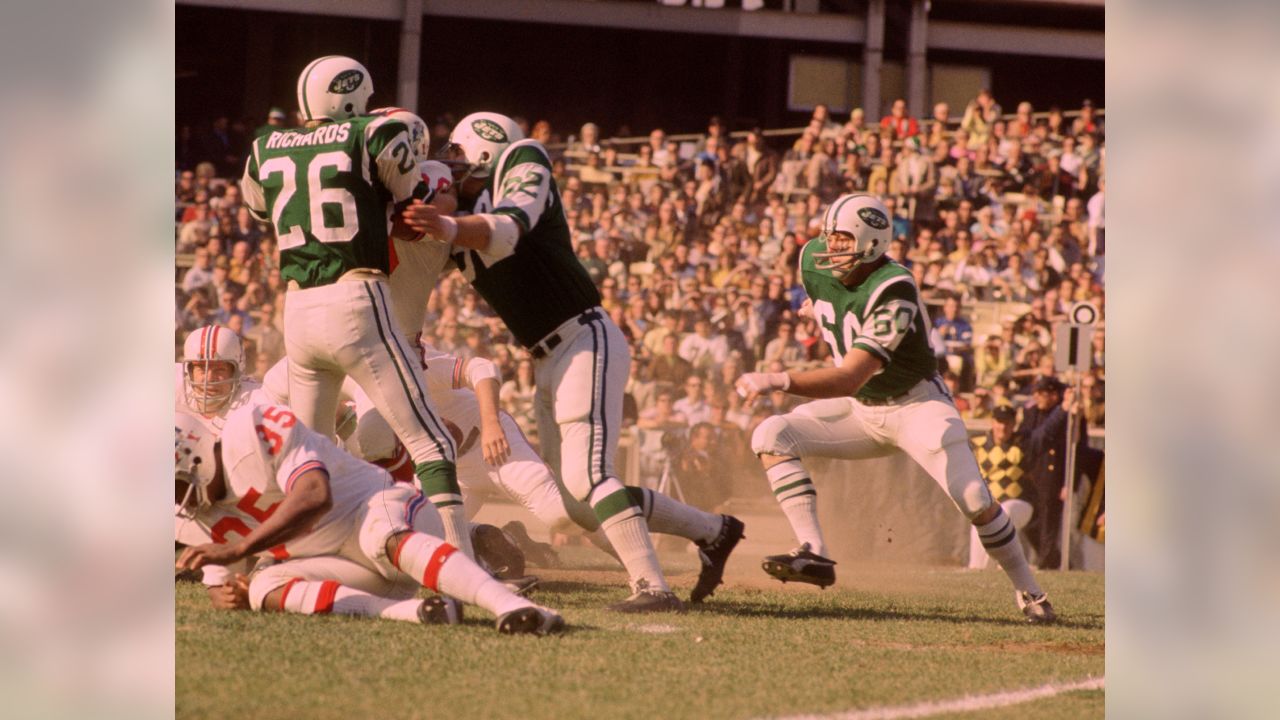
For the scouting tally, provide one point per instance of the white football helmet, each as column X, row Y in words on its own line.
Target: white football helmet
column 334, row 88
column 857, row 230
column 479, row 140
column 204, row 352
column 418, row 135
column 194, row 464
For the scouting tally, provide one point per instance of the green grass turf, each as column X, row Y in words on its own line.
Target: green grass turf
column 884, row 636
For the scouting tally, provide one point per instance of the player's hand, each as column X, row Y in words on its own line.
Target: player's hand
column 752, row 385
column 493, row 444
column 231, row 596
column 429, row 220
column 197, row 556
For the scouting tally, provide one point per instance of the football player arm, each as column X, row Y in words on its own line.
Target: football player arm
column 307, row 500
column 482, row 375
column 842, row 381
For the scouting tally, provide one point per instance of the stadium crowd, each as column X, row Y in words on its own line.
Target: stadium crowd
column 694, row 245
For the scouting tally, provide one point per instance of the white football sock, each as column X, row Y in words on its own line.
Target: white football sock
column 322, row 598
column 438, row 566
column 799, row 502
column 1000, row 538
column 629, row 536
column 457, row 530
column 671, row 517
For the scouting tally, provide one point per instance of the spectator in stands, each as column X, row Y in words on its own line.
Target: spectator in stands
column 898, row 123
column 700, row 470
column 276, row 120
column 761, row 165
column 957, row 336
column 979, row 116
column 200, row 273
column 587, row 142
column 917, row 181
column 784, row 348
column 662, row 415
column 992, row 363
column 702, row 349
column 667, row 366
column 693, row 406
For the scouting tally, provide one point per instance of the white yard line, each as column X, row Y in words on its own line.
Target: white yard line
column 963, row 704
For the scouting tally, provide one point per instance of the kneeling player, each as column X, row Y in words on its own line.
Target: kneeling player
column 286, row 492
column 884, row 393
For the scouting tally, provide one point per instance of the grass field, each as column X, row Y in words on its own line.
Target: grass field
column 882, row 637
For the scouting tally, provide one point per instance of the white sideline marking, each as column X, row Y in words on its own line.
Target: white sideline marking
column 964, row 704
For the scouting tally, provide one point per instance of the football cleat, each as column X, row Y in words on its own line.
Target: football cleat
column 1036, row 608
column 522, row 586
column 647, row 601
column 801, row 565
column 531, row 620
column 440, row 610
column 714, row 556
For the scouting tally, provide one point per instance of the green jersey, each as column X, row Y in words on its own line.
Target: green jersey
column 328, row 192
column 541, row 283
column 882, row 315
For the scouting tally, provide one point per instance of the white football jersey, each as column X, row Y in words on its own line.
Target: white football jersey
column 265, row 448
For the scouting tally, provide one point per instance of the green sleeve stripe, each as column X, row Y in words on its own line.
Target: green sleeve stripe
column 516, row 214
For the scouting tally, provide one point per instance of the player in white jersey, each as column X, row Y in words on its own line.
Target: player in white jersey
column 210, row 377
column 271, row 486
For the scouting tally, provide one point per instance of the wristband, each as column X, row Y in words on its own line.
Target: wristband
column 449, row 230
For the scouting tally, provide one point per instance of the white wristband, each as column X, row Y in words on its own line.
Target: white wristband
column 781, row 380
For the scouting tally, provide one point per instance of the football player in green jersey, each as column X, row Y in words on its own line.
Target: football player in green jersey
column 515, row 249
column 330, row 189
column 883, row 393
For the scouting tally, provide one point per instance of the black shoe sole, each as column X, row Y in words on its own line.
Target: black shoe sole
column 784, row 572
column 527, row 621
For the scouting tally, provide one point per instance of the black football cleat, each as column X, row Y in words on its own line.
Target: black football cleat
column 531, row 620
column 801, row 565
column 714, row 556
column 440, row 610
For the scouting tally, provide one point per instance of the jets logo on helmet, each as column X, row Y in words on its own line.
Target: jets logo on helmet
column 873, row 217
column 489, row 130
column 212, row 362
column 346, row 81
column 334, row 87
column 418, row 135
column 856, row 230
column 477, row 142
column 194, row 464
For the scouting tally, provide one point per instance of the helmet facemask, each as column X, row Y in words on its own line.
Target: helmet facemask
column 843, row 260
column 209, row 385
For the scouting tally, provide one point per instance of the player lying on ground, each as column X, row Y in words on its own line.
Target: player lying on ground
column 494, row 453
column 209, row 383
column 514, row 247
column 883, row 393
column 328, row 190
column 272, row 486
